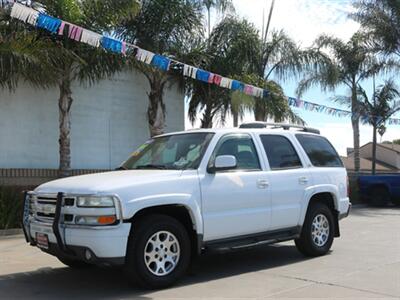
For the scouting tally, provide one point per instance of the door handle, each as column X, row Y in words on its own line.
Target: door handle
column 303, row 180
column 262, row 184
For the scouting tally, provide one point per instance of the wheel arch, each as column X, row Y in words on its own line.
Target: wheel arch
column 330, row 200
column 180, row 212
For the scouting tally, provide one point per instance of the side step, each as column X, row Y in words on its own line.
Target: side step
column 249, row 241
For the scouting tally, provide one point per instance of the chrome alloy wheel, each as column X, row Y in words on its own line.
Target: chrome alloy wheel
column 162, row 253
column 320, row 230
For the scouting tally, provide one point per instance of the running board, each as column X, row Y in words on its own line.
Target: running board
column 249, row 241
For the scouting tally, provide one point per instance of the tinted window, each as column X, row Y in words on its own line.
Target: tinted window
column 319, row 150
column 280, row 152
column 241, row 147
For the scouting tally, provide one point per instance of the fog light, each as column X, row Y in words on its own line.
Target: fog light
column 88, row 255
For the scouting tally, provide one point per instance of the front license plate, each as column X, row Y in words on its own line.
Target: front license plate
column 42, row 240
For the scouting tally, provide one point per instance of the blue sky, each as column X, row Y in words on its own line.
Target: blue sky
column 304, row 20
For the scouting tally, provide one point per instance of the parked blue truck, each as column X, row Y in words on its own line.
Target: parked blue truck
column 380, row 190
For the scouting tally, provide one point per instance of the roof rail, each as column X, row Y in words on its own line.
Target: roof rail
column 256, row 125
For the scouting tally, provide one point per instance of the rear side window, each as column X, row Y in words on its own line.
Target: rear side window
column 319, row 150
column 280, row 152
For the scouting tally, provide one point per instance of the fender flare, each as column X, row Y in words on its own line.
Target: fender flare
column 132, row 207
column 318, row 189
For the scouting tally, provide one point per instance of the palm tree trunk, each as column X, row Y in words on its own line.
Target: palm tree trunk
column 259, row 111
column 235, row 116
column 64, row 105
column 355, row 122
column 374, row 150
column 207, row 119
column 156, row 109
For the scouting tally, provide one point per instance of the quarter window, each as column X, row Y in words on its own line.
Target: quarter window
column 280, row 152
column 240, row 146
column 319, row 150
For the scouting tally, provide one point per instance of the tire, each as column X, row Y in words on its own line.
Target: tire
column 396, row 201
column 146, row 247
column 75, row 264
column 320, row 242
column 380, row 197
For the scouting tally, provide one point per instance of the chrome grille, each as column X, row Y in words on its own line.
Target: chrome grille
column 43, row 207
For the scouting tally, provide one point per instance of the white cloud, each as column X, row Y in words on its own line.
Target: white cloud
column 303, row 20
column 341, row 135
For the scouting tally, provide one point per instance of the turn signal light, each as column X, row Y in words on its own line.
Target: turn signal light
column 106, row 220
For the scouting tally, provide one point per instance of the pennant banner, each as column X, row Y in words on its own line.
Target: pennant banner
column 56, row 26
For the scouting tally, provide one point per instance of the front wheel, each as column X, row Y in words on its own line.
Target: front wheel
column 318, row 230
column 158, row 252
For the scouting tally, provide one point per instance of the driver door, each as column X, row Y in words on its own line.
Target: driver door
column 235, row 202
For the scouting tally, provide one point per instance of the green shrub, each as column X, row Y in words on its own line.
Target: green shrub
column 11, row 204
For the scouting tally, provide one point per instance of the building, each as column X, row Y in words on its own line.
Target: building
column 387, row 159
column 109, row 120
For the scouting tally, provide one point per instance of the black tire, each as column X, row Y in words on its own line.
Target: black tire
column 75, row 264
column 305, row 244
column 380, row 196
column 396, row 201
column 142, row 231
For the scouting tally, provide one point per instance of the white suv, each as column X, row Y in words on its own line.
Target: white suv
column 190, row 192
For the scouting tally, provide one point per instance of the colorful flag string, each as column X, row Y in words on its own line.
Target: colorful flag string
column 56, row 26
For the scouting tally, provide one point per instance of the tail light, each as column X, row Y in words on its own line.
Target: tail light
column 348, row 187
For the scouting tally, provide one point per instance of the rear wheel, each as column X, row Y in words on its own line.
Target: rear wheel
column 396, row 201
column 318, row 231
column 380, row 196
column 158, row 252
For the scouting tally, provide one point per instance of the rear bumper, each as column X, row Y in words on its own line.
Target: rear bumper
column 345, row 214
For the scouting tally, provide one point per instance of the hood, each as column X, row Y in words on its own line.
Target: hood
column 106, row 182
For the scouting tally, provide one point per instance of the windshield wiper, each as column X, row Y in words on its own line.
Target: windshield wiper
column 150, row 166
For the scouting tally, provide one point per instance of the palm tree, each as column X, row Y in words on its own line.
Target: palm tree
column 380, row 20
column 236, row 50
column 348, row 64
column 67, row 61
column 165, row 27
column 280, row 57
column 21, row 54
column 220, row 5
column 384, row 104
column 230, row 51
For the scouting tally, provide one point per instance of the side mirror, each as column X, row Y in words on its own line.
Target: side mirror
column 223, row 163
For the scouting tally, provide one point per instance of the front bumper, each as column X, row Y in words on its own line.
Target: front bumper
column 106, row 244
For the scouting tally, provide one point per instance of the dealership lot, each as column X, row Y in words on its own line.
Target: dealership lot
column 364, row 263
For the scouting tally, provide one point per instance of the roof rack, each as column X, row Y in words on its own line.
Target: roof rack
column 256, row 125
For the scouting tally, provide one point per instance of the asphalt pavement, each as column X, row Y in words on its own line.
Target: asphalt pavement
column 364, row 263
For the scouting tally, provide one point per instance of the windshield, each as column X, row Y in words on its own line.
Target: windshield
column 172, row 152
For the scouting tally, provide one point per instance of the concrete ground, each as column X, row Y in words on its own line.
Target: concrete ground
column 364, row 263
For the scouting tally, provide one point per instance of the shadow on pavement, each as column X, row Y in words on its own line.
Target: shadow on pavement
column 374, row 211
column 104, row 283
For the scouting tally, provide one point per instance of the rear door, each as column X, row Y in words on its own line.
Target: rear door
column 288, row 180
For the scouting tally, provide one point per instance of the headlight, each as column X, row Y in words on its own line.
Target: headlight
column 95, row 220
column 95, row 201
